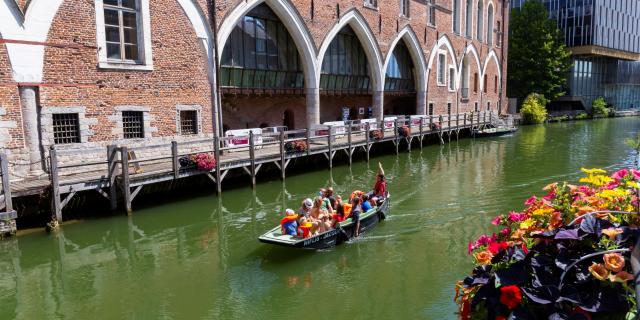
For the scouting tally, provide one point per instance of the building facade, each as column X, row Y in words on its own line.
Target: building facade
column 604, row 38
column 87, row 74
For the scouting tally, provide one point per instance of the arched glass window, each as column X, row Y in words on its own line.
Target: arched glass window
column 399, row 75
column 261, row 54
column 480, row 20
column 345, row 66
column 456, row 16
column 469, row 20
column 490, row 25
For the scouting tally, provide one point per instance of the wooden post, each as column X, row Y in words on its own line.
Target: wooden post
column 112, row 165
column 366, row 135
column 464, row 120
column 431, row 123
column 174, row 159
column 6, row 186
column 457, row 120
column 282, row 156
column 421, row 128
column 395, row 134
column 308, row 134
column 329, row 137
column 440, row 130
column 55, row 185
column 124, row 162
column 252, row 157
column 216, row 155
column 349, row 140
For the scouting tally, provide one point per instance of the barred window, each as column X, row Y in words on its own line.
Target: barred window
column 121, row 29
column 188, row 122
column 66, row 128
column 449, row 108
column 430, row 109
column 133, row 124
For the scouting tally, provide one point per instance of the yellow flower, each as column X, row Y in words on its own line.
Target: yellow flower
column 633, row 184
column 614, row 262
column 598, row 271
column 542, row 211
column 596, row 180
column 593, row 171
column 484, row 257
column 527, row 224
column 612, row 195
column 612, row 233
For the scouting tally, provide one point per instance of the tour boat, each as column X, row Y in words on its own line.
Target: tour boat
column 339, row 235
column 492, row 132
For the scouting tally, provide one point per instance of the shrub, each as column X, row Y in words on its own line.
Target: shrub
column 582, row 116
column 600, row 107
column 533, row 109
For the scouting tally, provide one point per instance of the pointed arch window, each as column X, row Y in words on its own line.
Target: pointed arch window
column 399, row 75
column 345, row 66
column 479, row 20
column 260, row 54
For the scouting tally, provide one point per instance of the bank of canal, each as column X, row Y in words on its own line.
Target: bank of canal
column 199, row 258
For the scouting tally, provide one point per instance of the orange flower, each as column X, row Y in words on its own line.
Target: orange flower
column 614, row 262
column 621, row 276
column 598, row 271
column 585, row 210
column 556, row 220
column 484, row 257
column 612, row 233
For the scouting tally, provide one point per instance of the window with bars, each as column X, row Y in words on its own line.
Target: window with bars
column 431, row 13
column 189, row 122
column 121, row 29
column 430, row 109
column 133, row 124
column 449, row 108
column 66, row 128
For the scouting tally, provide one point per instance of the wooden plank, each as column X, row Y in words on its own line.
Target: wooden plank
column 112, row 165
column 124, row 158
column 55, row 184
column 282, row 156
column 216, row 154
column 174, row 160
column 252, row 157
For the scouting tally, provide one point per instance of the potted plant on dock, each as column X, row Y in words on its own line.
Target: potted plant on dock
column 297, row 146
column 200, row 161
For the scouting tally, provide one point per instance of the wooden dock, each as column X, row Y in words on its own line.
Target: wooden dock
column 123, row 170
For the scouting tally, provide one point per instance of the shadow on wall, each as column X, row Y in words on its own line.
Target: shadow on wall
column 264, row 111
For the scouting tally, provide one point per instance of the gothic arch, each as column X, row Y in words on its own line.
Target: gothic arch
column 443, row 41
column 413, row 44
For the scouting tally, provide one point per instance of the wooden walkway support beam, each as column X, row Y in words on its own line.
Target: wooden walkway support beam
column 112, row 163
column 125, row 180
column 6, row 185
column 56, row 205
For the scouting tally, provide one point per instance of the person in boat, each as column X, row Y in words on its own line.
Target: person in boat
column 355, row 215
column 304, row 221
column 373, row 201
column 366, row 204
column 380, row 188
column 320, row 218
column 326, row 202
column 339, row 214
column 330, row 196
column 289, row 224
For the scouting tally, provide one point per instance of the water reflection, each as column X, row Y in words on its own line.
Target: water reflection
column 200, row 259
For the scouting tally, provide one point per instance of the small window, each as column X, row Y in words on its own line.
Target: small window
column 404, row 8
column 495, row 84
column 486, row 83
column 431, row 13
column 430, row 109
column 133, row 124
column 475, row 82
column 442, row 61
column 452, row 79
column 476, row 108
column 66, row 128
column 371, row 3
column 488, row 105
column 189, row 122
column 449, row 108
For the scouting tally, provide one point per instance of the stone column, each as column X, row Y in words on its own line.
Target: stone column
column 313, row 106
column 30, row 125
column 378, row 105
column 421, row 103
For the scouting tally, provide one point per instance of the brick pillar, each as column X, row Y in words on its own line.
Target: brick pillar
column 421, row 103
column 378, row 104
column 30, row 125
column 313, row 106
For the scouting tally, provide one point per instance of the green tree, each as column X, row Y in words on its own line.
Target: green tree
column 538, row 59
column 599, row 106
column 533, row 109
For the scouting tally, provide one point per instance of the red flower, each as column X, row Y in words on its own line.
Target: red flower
column 510, row 296
column 501, row 318
column 496, row 247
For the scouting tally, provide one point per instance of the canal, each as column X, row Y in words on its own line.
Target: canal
column 199, row 258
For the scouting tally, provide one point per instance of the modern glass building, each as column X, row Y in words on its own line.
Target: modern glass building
column 604, row 38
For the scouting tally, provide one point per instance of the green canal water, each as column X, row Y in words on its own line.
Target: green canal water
column 200, row 259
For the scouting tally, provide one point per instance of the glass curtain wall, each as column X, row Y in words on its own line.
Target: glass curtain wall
column 345, row 66
column 399, row 76
column 261, row 54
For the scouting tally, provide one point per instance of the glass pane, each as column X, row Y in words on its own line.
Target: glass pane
column 130, row 36
column 111, row 17
column 249, row 43
column 113, row 51
column 131, row 52
column 131, row 4
column 112, row 34
column 224, row 76
column 111, row 2
column 236, row 78
column 129, row 19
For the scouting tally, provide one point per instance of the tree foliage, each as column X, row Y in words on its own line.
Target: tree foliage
column 533, row 109
column 599, row 106
column 538, row 59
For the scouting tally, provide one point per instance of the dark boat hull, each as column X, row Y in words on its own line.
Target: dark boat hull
column 336, row 236
column 483, row 134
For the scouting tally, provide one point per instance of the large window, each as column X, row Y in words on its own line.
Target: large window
column 490, row 25
column 456, row 16
column 345, row 66
column 442, row 69
column 469, row 20
column 399, row 75
column 261, row 54
column 479, row 20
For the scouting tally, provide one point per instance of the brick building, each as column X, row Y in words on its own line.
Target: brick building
column 95, row 72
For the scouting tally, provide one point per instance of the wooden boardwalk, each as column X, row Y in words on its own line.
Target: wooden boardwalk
column 125, row 171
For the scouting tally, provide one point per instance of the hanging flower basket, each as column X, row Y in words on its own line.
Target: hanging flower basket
column 404, row 131
column 376, row 134
column 565, row 256
column 296, row 146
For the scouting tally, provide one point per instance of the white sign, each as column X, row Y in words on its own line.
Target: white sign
column 240, row 138
column 389, row 122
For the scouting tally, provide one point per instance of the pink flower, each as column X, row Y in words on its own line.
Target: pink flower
column 612, row 185
column 517, row 216
column 496, row 221
column 505, row 232
column 483, row 240
column 531, row 201
column 550, row 196
column 636, row 174
column 620, row 174
column 470, row 247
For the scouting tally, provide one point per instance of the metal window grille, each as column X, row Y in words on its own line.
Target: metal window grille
column 189, row 122
column 430, row 109
column 66, row 128
column 132, row 124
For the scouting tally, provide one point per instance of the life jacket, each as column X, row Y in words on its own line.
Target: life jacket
column 354, row 194
column 347, row 210
column 304, row 229
column 289, row 221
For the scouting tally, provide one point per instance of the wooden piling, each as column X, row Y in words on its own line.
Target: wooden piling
column 252, row 158
column 216, row 155
column 367, row 143
column 283, row 160
column 6, row 186
column 126, row 183
column 421, row 136
column 55, row 184
column 308, row 137
column 350, row 143
column 330, row 137
column 395, row 134
column 174, row 160
column 112, row 165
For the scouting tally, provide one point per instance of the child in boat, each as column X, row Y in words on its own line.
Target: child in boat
column 304, row 221
column 355, row 215
column 319, row 217
column 366, row 204
column 289, row 224
column 338, row 215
